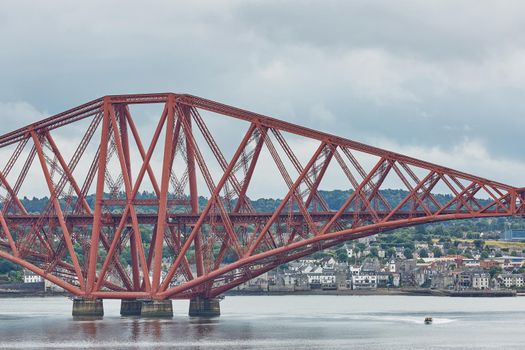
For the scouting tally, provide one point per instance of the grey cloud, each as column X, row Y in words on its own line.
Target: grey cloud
column 433, row 29
column 427, row 74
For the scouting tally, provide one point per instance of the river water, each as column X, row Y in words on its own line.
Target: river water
column 276, row 322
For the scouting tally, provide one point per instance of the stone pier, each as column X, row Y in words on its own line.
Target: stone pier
column 156, row 308
column 202, row 307
column 130, row 307
column 88, row 307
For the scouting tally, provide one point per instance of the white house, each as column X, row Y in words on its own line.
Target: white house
column 314, row 274
column 512, row 280
column 392, row 266
column 328, row 280
column 480, row 281
column 364, row 281
column 31, row 277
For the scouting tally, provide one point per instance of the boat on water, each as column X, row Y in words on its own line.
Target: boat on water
column 428, row 320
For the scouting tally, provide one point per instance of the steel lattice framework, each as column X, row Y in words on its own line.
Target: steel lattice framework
column 181, row 245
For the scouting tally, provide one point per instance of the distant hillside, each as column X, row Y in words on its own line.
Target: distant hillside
column 334, row 199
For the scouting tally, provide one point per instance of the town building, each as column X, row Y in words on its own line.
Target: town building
column 514, row 235
column 481, row 281
column 512, row 280
column 364, row 280
column 31, row 277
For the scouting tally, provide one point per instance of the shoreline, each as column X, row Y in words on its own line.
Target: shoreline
column 381, row 291
column 12, row 295
column 347, row 292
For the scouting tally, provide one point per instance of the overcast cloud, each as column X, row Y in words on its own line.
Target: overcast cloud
column 439, row 80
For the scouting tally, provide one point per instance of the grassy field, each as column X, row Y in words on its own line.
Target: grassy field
column 499, row 244
column 504, row 244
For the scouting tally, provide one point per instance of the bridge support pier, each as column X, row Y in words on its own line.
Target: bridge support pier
column 203, row 307
column 156, row 308
column 88, row 307
column 130, row 307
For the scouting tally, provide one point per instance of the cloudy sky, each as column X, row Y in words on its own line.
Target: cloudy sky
column 439, row 80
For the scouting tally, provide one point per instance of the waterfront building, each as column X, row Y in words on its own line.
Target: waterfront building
column 364, row 280
column 342, row 281
column 31, row 277
column 328, row 280
column 301, row 282
column 314, row 274
column 464, row 279
column 384, row 280
column 442, row 280
column 512, row 280
column 283, row 283
column 396, row 279
column 481, row 281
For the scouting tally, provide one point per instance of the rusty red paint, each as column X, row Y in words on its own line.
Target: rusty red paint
column 198, row 239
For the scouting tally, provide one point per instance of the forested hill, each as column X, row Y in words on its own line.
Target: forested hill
column 334, row 199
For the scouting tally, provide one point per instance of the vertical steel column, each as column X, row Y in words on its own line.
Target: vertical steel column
column 163, row 199
column 194, row 196
column 99, row 196
column 132, row 241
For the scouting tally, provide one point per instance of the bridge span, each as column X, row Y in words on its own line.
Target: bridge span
column 199, row 234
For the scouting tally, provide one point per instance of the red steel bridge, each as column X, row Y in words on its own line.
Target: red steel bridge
column 199, row 234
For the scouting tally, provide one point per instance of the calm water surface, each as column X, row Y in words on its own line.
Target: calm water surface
column 276, row 322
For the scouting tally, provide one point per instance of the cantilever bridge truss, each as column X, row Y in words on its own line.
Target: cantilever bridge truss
column 98, row 235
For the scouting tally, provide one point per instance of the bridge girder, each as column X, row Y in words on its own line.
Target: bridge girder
column 199, row 233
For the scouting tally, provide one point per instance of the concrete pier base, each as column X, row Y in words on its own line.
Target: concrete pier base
column 130, row 307
column 156, row 308
column 88, row 307
column 201, row 307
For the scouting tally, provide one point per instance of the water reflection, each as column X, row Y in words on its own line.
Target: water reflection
column 275, row 323
column 89, row 328
column 153, row 328
column 135, row 330
column 203, row 327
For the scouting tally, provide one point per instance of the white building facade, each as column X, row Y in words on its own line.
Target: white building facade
column 31, row 277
